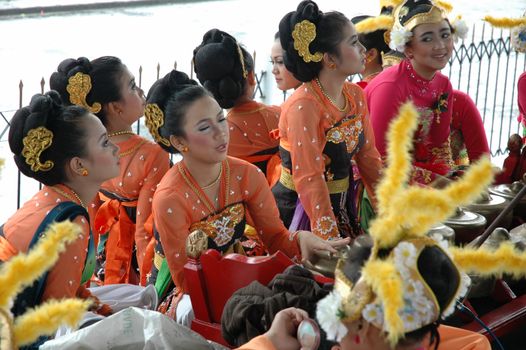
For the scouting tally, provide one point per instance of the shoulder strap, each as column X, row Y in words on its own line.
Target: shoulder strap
column 32, row 295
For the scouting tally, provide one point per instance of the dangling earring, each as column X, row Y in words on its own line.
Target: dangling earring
column 184, row 149
column 84, row 172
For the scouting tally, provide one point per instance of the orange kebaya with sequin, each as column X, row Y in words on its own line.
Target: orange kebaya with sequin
column 250, row 125
column 64, row 278
column 317, row 142
column 127, row 205
column 180, row 206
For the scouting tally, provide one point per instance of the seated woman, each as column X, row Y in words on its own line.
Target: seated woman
column 512, row 168
column 468, row 136
column 209, row 190
column 375, row 45
column 284, row 79
column 226, row 69
column 422, row 31
column 67, row 149
column 107, row 88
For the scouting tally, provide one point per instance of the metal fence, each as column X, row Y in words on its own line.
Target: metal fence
column 484, row 66
column 487, row 68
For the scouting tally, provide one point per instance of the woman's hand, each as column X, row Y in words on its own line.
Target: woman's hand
column 310, row 244
column 282, row 332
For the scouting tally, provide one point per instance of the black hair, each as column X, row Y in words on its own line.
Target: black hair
column 437, row 270
column 67, row 127
column 105, row 73
column 218, row 66
column 173, row 94
column 329, row 34
column 372, row 40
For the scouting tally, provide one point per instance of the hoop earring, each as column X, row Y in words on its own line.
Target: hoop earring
column 84, row 172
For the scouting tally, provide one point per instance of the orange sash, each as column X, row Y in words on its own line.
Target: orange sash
column 7, row 251
column 112, row 219
column 149, row 254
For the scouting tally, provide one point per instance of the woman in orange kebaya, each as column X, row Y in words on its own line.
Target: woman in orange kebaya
column 108, row 89
column 226, row 69
column 324, row 123
column 67, row 150
column 284, row 79
column 209, row 190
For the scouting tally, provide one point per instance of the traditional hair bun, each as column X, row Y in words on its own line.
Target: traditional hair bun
column 218, row 66
column 303, row 71
column 65, row 70
column 158, row 99
column 54, row 135
column 163, row 89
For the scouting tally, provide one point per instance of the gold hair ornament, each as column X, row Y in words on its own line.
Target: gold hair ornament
column 35, row 142
column 434, row 15
column 78, row 88
column 154, row 120
column 304, row 34
column 242, row 60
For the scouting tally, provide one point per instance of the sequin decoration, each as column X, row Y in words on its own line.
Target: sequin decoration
column 220, row 227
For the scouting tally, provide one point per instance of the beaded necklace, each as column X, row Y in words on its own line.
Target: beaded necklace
column 122, row 132
column 68, row 196
column 330, row 98
column 132, row 150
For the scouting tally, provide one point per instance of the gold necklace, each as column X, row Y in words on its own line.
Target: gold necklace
column 68, row 196
column 202, row 198
column 132, row 150
column 213, row 183
column 122, row 132
column 330, row 98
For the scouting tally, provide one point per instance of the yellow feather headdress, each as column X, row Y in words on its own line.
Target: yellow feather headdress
column 405, row 215
column 517, row 27
column 19, row 272
column 372, row 24
column 443, row 5
column 390, row 3
column 505, row 22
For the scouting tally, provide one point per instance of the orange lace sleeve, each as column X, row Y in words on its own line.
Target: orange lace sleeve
column 305, row 135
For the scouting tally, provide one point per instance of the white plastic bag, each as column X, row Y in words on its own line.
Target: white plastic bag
column 122, row 296
column 130, row 329
column 118, row 297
